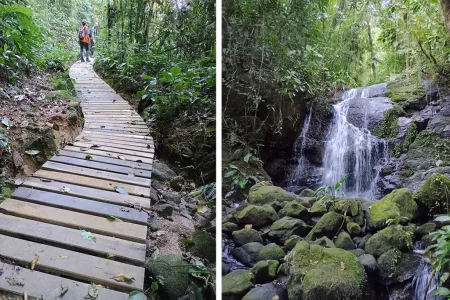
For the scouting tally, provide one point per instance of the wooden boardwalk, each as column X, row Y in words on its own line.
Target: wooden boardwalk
column 97, row 188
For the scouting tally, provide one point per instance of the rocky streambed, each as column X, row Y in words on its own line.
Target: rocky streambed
column 280, row 245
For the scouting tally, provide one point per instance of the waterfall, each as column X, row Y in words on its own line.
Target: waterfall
column 299, row 147
column 422, row 277
column 353, row 152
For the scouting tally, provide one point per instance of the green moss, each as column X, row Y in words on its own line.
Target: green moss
column 204, row 245
column 389, row 127
column 430, row 146
column 386, row 171
column 229, row 227
column 236, row 284
column 410, row 136
column 407, row 171
column 294, row 209
column 392, row 237
column 59, row 95
column 63, row 82
column 271, row 252
column 258, row 216
column 344, row 241
column 353, row 228
column 434, row 192
column 265, row 271
column 398, row 206
column 264, row 194
column 5, row 193
column 316, row 272
column 409, row 95
column 246, row 235
column 327, row 226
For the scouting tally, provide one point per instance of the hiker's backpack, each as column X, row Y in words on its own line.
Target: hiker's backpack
column 81, row 33
column 89, row 32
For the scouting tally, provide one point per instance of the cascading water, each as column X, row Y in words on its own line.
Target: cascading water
column 353, row 152
column 422, row 281
column 299, row 147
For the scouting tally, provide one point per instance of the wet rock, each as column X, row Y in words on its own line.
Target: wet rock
column 246, row 235
column 265, row 271
column 403, row 291
column 271, row 252
column 432, row 193
column 354, row 229
column 409, row 95
column 392, row 237
column 319, row 208
column 268, row 291
column 425, row 229
column 176, row 280
column 162, row 172
column 368, row 262
column 344, row 241
column 229, row 227
column 398, row 205
column 290, row 243
column 260, row 194
column 324, row 242
column 204, row 246
column 285, row 227
column 357, row 252
column 249, row 254
column 368, row 112
column 352, row 208
column 293, row 209
column 236, row 284
column 307, row 193
column 163, row 210
column 396, row 267
column 177, row 183
column 324, row 273
column 327, row 226
column 363, row 241
column 258, row 216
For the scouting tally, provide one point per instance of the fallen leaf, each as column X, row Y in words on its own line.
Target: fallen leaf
column 110, row 256
column 64, row 289
column 63, row 257
column 121, row 190
column 248, row 226
column 121, row 157
column 19, row 181
column 84, row 148
column 93, row 291
column 6, row 122
column 113, row 219
column 123, row 278
column 88, row 236
column 342, row 266
column 34, row 262
column 64, row 189
column 136, row 295
column 45, row 180
column 88, row 157
column 32, row 152
column 24, row 124
column 201, row 208
column 15, row 281
column 95, row 146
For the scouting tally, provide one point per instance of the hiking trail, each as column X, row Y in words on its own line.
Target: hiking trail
column 81, row 218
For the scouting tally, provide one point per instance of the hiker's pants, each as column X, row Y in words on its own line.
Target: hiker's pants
column 84, row 46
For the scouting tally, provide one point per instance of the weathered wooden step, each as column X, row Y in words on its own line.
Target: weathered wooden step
column 111, row 154
column 112, row 146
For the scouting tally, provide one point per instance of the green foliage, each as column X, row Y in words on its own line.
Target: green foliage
column 440, row 252
column 410, row 136
column 329, row 192
column 389, row 128
column 240, row 179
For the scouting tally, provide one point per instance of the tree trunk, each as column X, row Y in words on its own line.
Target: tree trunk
column 445, row 4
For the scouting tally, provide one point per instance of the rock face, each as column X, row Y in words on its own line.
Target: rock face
column 258, row 216
column 236, row 284
column 368, row 112
column 324, row 273
column 398, row 205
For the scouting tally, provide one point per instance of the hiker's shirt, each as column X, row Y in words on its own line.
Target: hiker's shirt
column 86, row 37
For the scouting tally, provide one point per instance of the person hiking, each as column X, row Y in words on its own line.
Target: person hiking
column 92, row 33
column 83, row 38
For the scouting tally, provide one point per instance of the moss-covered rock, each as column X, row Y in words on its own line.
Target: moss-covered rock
column 425, row 229
column 260, row 194
column 44, row 141
column 328, row 226
column 62, row 95
column 395, row 266
column 290, row 243
column 368, row 262
column 236, row 284
column 293, row 209
column 248, row 254
column 434, row 192
column 258, row 216
column 268, row 291
column 324, row 273
column 319, row 208
column 349, row 207
column 271, row 252
column 176, row 280
column 389, row 127
column 285, row 227
column 428, row 148
column 204, row 245
column 324, row 242
column 354, row 229
column 246, row 235
column 265, row 271
column 409, row 95
column 398, row 205
column 357, row 252
column 392, row 237
column 307, row 193
column 229, row 227
column 344, row 241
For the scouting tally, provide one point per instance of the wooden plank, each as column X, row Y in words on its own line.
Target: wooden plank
column 96, row 140
column 120, row 135
column 116, row 147
column 108, row 160
column 111, row 154
column 136, row 151
column 108, row 185
column 92, row 164
column 71, row 238
column 76, row 265
column 45, row 286
column 76, row 220
column 89, row 193
column 70, row 202
column 93, row 124
column 49, row 165
column 115, row 138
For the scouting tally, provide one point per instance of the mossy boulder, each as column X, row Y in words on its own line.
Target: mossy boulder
column 428, row 148
column 389, row 126
column 307, row 193
column 368, row 262
column 409, row 95
column 395, row 266
column 271, row 252
column 344, row 241
column 236, row 284
column 44, row 141
column 324, row 273
column 324, row 242
column 204, row 246
column 260, row 194
column 434, row 192
column 258, row 216
column 268, row 291
column 357, row 252
column 265, row 271
column 229, row 227
column 246, row 235
column 424, row 229
column 290, row 243
column 392, row 237
column 319, row 208
column 351, row 208
column 285, row 227
column 293, row 209
column 354, row 229
column 328, row 226
column 398, row 205
column 251, row 253
column 176, row 280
